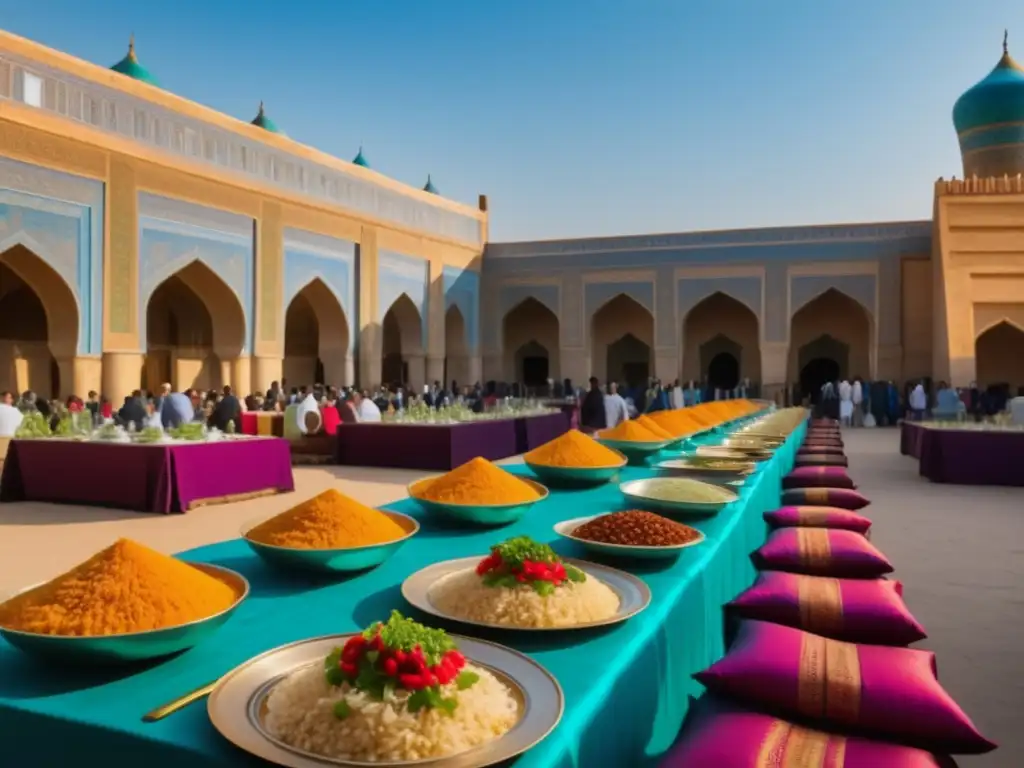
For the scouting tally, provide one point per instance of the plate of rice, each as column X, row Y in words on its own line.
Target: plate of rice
column 396, row 694
column 522, row 584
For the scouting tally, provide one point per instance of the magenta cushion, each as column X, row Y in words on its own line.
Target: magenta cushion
column 855, row 610
column 821, row 459
column 835, row 450
column 822, row 552
column 885, row 691
column 721, row 734
column 818, row 477
column 817, row 517
column 824, row 497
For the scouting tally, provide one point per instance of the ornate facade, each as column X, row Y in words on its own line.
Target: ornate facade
column 144, row 238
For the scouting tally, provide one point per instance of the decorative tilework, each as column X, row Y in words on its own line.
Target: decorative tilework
column 806, row 288
column 572, row 328
column 462, row 289
column 746, row 290
column 398, row 274
column 666, row 324
column 776, row 302
column 308, row 257
column 890, row 301
column 59, row 217
column 513, row 295
column 598, row 294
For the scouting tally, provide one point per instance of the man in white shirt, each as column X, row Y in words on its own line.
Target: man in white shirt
column 857, row 396
column 918, row 402
column 845, row 403
column 10, row 418
column 366, row 410
column 678, row 401
column 615, row 409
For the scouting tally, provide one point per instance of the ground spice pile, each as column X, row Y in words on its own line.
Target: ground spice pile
column 125, row 588
column 678, row 422
column 330, row 520
column 573, row 449
column 478, row 482
column 637, row 528
column 632, row 432
column 651, row 425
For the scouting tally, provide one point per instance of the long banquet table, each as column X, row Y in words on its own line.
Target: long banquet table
column 145, row 478
column 627, row 688
column 965, row 455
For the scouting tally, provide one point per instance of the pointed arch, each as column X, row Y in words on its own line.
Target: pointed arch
column 195, row 324
column 846, row 322
column 619, row 317
column 456, row 346
column 999, row 356
column 530, row 335
column 402, row 330
column 721, row 325
column 317, row 338
column 57, row 297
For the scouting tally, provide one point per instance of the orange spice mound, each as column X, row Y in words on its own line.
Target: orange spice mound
column 573, row 449
column 632, row 432
column 330, row 520
column 478, row 481
column 678, row 422
column 651, row 425
column 125, row 588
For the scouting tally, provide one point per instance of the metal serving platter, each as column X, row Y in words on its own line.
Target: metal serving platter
column 634, row 594
column 639, row 551
column 641, row 493
column 237, row 706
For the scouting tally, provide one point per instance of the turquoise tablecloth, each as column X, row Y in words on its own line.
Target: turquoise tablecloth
column 627, row 688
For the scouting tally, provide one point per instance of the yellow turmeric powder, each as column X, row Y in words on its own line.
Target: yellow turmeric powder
column 651, row 425
column 478, row 481
column 677, row 422
column 631, row 432
column 125, row 588
column 574, row 449
column 330, row 520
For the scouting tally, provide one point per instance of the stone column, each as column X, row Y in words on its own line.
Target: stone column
column 774, row 368
column 241, row 376
column 266, row 363
column 417, row 371
column 890, row 362
column 265, row 370
column 574, row 363
column 474, row 371
column 666, row 352
column 666, row 364
column 435, row 369
column 121, row 373
column 370, row 330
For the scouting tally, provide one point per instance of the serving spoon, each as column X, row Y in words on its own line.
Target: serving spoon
column 179, row 703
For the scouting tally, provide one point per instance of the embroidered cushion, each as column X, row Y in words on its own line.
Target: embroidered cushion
column 891, row 692
column 818, row 477
column 817, row 517
column 805, row 448
column 821, row 459
column 822, row 552
column 855, row 610
column 824, row 497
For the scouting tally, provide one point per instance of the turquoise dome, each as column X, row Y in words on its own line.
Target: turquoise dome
column 262, row 121
column 429, row 187
column 130, row 66
column 360, row 160
column 996, row 100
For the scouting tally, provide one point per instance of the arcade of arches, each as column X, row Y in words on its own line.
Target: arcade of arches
column 999, row 356
column 721, row 343
column 456, row 349
column 621, row 340
column 530, row 337
column 830, row 338
column 402, row 356
column 316, row 338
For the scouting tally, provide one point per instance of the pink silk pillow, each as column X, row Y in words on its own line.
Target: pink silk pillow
column 818, row 477
column 822, row 552
column 855, row 610
column 824, row 497
column 886, row 691
column 723, row 735
column 821, row 459
column 817, row 517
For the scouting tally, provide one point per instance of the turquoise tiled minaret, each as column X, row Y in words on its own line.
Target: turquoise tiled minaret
column 262, row 121
column 989, row 121
column 360, row 159
column 130, row 66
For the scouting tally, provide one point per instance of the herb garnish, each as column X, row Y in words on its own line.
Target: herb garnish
column 521, row 560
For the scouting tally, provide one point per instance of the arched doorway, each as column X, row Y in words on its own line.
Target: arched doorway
column 621, row 338
column 38, row 326
column 529, row 338
column 456, row 348
column 836, row 331
column 999, row 357
column 721, row 343
column 402, row 362
column 195, row 332
column 316, row 339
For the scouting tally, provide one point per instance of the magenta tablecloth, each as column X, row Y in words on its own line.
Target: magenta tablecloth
column 424, row 446
column 972, row 457
column 144, row 478
column 910, row 439
column 533, row 431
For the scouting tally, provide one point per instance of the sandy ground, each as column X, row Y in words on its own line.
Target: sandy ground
column 958, row 550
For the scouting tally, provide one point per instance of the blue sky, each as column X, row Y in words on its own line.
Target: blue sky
column 585, row 118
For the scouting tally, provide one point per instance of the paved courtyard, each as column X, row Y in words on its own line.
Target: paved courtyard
column 959, row 552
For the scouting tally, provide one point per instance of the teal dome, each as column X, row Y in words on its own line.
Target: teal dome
column 360, row 160
column 429, row 187
column 996, row 100
column 130, row 66
column 262, row 121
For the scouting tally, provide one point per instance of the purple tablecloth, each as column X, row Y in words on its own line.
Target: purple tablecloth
column 972, row 457
column 424, row 446
column 144, row 478
column 532, row 431
column 910, row 439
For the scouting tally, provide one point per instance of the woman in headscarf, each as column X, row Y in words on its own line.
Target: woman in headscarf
column 592, row 413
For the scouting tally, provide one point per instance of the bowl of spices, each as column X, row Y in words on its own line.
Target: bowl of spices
column 574, row 458
column 632, row 533
column 330, row 533
column 678, row 495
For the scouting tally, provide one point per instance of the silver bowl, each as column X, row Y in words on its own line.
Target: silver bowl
column 636, row 451
column 700, row 468
column 341, row 560
column 132, row 646
column 639, row 492
column 566, row 527
column 478, row 514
